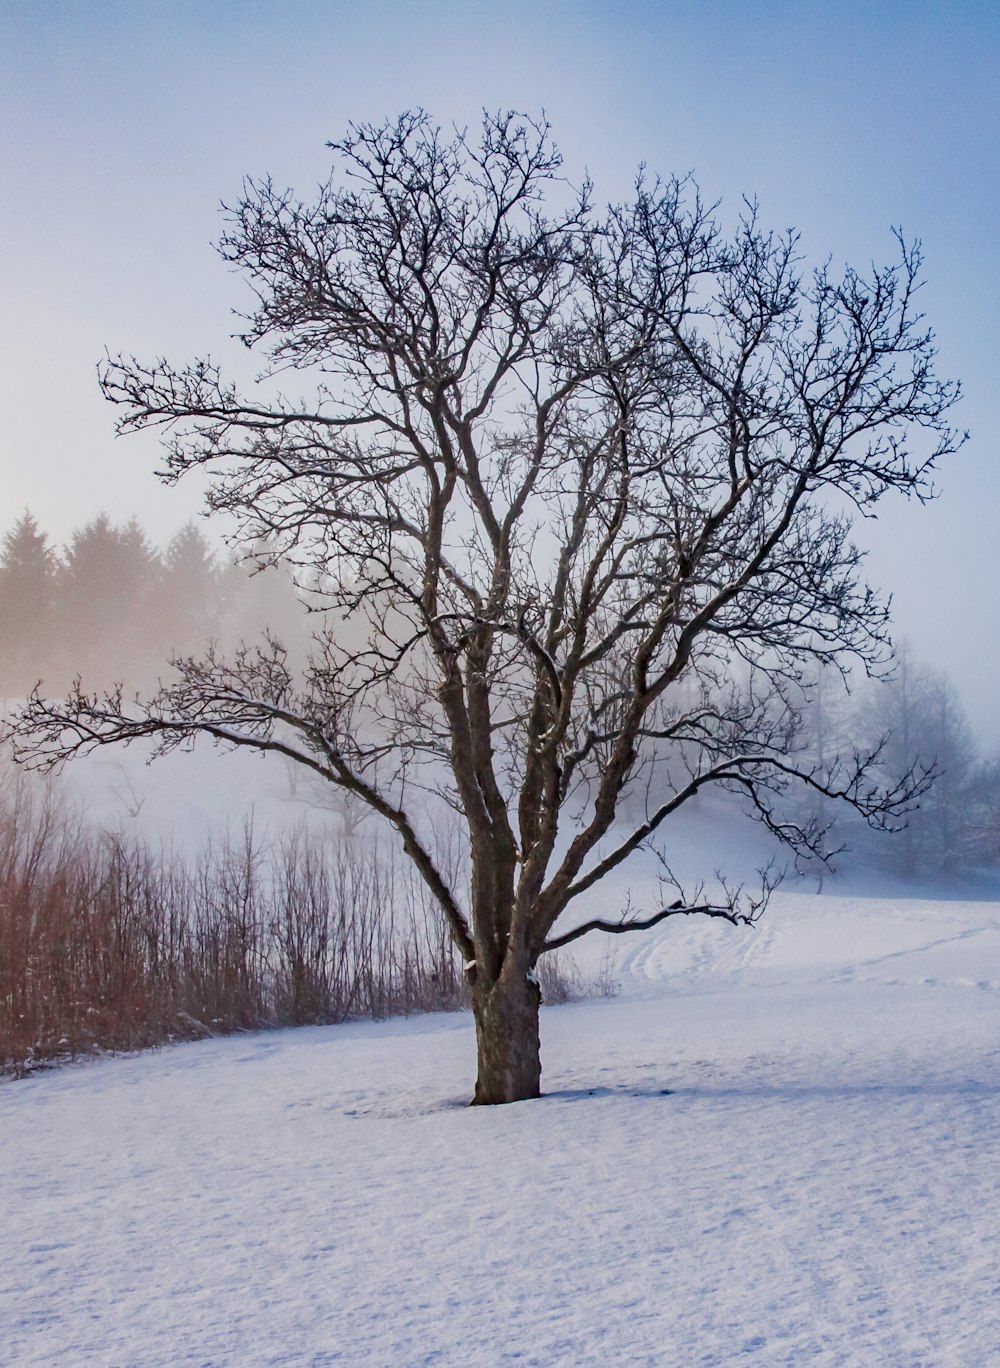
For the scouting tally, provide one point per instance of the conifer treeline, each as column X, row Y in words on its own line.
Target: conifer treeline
column 109, row 606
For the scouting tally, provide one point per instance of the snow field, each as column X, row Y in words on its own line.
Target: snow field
column 776, row 1147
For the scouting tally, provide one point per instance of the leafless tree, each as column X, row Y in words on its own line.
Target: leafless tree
column 577, row 485
column 920, row 713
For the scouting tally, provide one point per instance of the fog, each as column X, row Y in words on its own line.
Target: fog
column 126, row 124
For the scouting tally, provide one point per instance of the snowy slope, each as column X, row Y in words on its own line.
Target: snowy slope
column 182, row 797
column 776, row 1147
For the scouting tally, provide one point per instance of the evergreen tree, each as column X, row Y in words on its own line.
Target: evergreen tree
column 28, row 569
column 188, row 595
column 108, row 625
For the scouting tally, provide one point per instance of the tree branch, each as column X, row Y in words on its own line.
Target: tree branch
column 676, row 909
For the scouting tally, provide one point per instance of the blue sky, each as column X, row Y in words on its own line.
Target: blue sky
column 125, row 123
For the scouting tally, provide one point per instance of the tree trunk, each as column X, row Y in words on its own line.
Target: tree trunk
column 506, row 1013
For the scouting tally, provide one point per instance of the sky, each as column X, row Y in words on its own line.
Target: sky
column 127, row 123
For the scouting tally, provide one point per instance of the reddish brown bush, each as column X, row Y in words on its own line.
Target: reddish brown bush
column 108, row 945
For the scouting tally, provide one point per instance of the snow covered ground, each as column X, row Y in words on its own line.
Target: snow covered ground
column 776, row 1146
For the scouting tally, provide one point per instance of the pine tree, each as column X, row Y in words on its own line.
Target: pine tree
column 108, row 627
column 28, row 570
column 188, row 595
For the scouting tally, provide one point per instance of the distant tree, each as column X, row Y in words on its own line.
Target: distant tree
column 947, row 739
column 557, row 464
column 28, row 571
column 258, row 592
column 983, row 798
column 920, row 714
column 107, row 630
column 824, row 707
column 188, row 595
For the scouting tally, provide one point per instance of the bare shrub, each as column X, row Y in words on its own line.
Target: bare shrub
column 561, row 979
column 106, row 945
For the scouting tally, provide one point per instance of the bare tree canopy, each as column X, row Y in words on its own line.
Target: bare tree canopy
column 577, row 487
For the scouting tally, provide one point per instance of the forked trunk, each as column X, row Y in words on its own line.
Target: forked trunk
column 506, row 1013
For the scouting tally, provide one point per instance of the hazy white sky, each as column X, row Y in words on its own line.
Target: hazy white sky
column 126, row 122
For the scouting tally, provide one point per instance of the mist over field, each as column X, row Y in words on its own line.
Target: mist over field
column 112, row 608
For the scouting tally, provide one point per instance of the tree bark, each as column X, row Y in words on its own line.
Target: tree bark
column 507, row 1037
